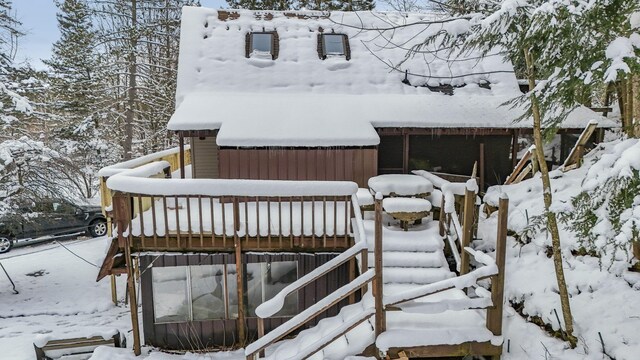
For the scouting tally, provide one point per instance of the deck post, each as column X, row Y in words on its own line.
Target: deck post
column 114, row 290
column 122, row 215
column 381, row 322
column 240, row 288
column 442, row 217
column 181, row 143
column 467, row 228
column 494, row 314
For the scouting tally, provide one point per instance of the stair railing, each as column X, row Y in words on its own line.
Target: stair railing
column 275, row 304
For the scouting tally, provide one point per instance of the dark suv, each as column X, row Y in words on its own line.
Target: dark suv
column 50, row 219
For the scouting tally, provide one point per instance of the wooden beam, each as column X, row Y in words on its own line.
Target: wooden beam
column 440, row 351
column 381, row 323
column 482, row 167
column 494, row 314
column 511, row 179
column 114, row 290
column 133, row 303
column 467, row 228
column 514, row 148
column 575, row 156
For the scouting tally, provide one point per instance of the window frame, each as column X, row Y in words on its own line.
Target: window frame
column 275, row 43
column 322, row 51
column 228, row 297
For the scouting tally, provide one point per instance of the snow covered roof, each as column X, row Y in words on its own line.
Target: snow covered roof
column 301, row 100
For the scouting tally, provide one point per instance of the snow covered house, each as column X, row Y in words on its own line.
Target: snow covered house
column 287, row 114
column 306, row 96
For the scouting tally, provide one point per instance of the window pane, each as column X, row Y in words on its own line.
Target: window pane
column 170, row 294
column 261, row 42
column 265, row 280
column 207, row 292
column 253, row 288
column 277, row 276
column 333, row 44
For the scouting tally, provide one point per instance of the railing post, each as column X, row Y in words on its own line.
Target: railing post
column 494, row 314
column 122, row 215
column 181, row 144
column 442, row 218
column 381, row 322
column 260, row 333
column 467, row 228
column 364, row 267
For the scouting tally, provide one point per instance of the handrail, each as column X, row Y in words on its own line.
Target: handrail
column 143, row 160
column 460, row 282
column 275, row 304
column 308, row 314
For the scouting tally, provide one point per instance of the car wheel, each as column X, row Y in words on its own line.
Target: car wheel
column 5, row 245
column 98, row 228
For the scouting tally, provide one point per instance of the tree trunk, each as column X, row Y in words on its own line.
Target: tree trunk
column 551, row 216
column 131, row 93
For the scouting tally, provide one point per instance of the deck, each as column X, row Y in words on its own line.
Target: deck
column 412, row 302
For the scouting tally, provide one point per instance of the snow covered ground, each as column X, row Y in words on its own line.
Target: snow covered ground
column 603, row 301
column 58, row 296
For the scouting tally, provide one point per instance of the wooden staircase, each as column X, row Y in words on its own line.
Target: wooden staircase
column 426, row 309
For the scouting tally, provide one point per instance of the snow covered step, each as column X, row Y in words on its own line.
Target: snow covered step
column 452, row 299
column 410, row 259
column 424, row 237
column 415, row 275
column 447, row 328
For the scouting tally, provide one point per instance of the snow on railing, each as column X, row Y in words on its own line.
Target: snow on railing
column 309, row 313
column 227, row 187
column 133, row 163
column 275, row 304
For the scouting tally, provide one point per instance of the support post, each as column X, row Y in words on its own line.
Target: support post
column 260, row 333
column 181, row 142
column 240, row 286
column 482, row 166
column 122, row 215
column 114, row 290
column 442, row 218
column 494, row 314
column 467, row 228
column 381, row 322
column 364, row 267
column 514, row 148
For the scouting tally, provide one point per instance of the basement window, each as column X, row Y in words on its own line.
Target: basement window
column 333, row 45
column 262, row 45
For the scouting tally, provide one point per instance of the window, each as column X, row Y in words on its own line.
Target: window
column 262, row 45
column 265, row 280
column 191, row 293
column 333, row 45
column 209, row 292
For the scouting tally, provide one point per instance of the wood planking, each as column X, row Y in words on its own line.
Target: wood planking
column 353, row 164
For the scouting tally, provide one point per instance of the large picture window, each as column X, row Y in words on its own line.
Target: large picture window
column 209, row 292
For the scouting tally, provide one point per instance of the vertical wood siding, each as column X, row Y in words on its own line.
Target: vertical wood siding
column 356, row 165
column 204, row 155
column 223, row 333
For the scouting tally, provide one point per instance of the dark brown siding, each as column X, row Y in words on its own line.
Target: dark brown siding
column 356, row 165
column 222, row 333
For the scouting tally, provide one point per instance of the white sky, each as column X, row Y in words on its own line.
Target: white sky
column 38, row 19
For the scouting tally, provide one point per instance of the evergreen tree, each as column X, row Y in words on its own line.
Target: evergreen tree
column 74, row 62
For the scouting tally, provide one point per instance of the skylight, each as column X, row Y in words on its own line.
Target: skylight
column 262, row 45
column 333, row 45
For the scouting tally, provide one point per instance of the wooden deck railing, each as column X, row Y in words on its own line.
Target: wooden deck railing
column 171, row 156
